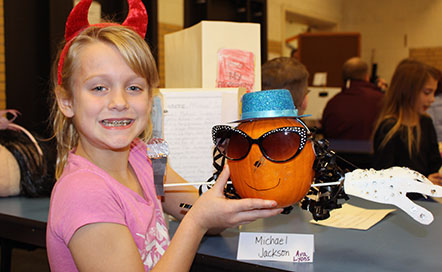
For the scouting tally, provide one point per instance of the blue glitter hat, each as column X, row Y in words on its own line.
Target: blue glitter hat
column 268, row 104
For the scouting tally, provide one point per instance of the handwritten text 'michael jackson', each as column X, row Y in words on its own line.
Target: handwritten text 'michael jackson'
column 271, row 252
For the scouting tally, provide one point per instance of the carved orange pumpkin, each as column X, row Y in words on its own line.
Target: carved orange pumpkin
column 257, row 177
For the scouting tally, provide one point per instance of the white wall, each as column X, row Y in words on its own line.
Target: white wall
column 291, row 29
column 392, row 27
column 325, row 10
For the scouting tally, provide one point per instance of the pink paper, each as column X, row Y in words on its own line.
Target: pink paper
column 236, row 68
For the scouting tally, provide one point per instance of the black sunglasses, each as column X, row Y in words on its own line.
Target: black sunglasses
column 277, row 145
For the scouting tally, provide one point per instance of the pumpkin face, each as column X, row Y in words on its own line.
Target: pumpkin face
column 257, row 177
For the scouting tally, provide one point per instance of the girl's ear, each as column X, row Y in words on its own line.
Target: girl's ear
column 64, row 102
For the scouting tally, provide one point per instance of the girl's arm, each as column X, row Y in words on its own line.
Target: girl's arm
column 211, row 210
column 110, row 247
column 174, row 196
column 436, row 178
column 434, row 154
column 105, row 247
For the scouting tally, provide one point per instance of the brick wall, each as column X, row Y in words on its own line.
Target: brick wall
column 429, row 55
column 2, row 60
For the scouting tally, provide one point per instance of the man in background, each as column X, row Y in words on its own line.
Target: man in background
column 287, row 73
column 352, row 113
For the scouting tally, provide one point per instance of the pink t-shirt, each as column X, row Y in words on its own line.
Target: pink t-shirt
column 86, row 194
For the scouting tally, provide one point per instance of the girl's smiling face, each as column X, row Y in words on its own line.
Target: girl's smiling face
column 110, row 102
column 426, row 96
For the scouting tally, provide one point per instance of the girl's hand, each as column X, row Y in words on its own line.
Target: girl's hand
column 214, row 210
column 436, row 178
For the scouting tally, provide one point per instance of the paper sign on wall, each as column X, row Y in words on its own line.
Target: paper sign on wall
column 189, row 115
column 284, row 247
column 236, row 68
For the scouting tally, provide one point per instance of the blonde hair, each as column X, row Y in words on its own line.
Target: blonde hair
column 134, row 51
column 407, row 82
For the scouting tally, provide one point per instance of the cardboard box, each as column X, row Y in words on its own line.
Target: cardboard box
column 214, row 54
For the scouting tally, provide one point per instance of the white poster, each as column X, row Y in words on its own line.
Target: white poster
column 189, row 115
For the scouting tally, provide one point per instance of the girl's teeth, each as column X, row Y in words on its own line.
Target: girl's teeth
column 116, row 123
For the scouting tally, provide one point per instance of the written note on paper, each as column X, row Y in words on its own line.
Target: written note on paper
column 285, row 247
column 189, row 116
column 236, row 68
column 352, row 217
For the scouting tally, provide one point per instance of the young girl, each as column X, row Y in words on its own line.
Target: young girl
column 104, row 213
column 405, row 135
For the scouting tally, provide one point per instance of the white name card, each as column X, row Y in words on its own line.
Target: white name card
column 284, row 247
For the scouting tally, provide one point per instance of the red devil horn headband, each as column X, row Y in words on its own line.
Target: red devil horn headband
column 77, row 21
